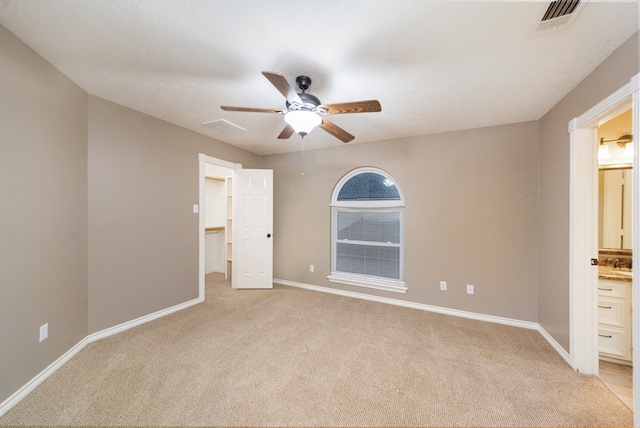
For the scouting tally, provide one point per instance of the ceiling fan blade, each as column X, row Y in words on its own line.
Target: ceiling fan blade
column 286, row 132
column 336, row 131
column 250, row 109
column 352, row 107
column 281, row 84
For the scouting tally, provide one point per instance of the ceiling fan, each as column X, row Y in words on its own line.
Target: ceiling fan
column 304, row 111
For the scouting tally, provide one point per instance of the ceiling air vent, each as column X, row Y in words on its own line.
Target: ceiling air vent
column 560, row 8
column 560, row 13
column 223, row 126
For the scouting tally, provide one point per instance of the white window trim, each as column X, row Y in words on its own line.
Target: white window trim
column 368, row 281
column 362, row 280
column 394, row 203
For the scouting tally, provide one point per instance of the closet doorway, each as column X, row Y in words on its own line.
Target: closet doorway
column 215, row 216
column 217, row 222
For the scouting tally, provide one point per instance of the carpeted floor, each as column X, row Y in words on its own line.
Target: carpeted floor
column 292, row 357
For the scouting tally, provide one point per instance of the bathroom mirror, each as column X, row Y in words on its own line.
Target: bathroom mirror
column 614, row 208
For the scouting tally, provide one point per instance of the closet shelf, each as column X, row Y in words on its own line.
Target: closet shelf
column 214, row 178
column 214, row 229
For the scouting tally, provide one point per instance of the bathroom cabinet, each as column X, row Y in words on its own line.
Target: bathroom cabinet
column 614, row 321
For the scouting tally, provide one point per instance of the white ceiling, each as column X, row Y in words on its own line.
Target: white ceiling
column 435, row 66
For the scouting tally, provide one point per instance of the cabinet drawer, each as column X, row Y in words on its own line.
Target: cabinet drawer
column 612, row 311
column 614, row 342
column 614, row 289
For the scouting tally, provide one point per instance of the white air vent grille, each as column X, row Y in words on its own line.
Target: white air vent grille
column 560, row 8
column 223, row 126
column 560, row 14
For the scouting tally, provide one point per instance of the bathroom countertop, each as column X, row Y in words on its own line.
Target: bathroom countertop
column 615, row 274
column 615, row 265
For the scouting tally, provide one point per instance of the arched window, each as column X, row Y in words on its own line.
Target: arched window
column 367, row 231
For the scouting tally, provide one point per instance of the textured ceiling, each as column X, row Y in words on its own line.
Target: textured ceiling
column 435, row 66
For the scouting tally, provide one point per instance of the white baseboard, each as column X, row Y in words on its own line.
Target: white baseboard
column 472, row 315
column 15, row 398
column 144, row 319
column 559, row 349
column 413, row 305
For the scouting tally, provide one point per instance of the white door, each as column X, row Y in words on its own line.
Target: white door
column 253, row 223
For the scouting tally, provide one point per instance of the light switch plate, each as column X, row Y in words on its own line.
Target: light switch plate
column 195, row 208
column 44, row 331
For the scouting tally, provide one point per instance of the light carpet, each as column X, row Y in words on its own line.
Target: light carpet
column 293, row 357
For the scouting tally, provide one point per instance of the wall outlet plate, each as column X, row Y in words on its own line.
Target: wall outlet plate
column 469, row 289
column 312, row 268
column 443, row 285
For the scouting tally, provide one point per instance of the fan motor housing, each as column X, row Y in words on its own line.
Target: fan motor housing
column 309, row 102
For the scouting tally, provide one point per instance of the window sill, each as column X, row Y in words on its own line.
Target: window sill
column 361, row 281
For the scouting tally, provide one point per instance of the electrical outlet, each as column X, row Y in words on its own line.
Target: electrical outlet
column 469, row 289
column 312, row 268
column 443, row 285
column 44, row 331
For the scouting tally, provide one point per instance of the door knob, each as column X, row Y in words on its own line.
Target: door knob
column 268, row 235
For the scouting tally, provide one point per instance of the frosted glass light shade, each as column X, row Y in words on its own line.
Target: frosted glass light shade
column 628, row 150
column 603, row 152
column 302, row 121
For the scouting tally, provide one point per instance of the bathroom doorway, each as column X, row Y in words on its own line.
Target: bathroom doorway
column 583, row 248
column 615, row 253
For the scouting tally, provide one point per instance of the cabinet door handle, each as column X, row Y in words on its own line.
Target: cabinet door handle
column 605, row 289
column 608, row 336
column 604, row 307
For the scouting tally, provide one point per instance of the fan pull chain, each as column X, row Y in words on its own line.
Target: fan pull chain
column 302, row 159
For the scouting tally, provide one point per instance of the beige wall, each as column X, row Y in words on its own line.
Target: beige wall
column 43, row 219
column 96, row 226
column 143, row 235
column 471, row 215
column 553, row 276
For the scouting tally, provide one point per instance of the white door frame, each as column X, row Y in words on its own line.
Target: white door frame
column 202, row 160
column 583, row 232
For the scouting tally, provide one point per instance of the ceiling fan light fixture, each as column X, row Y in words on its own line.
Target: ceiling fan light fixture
column 302, row 121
